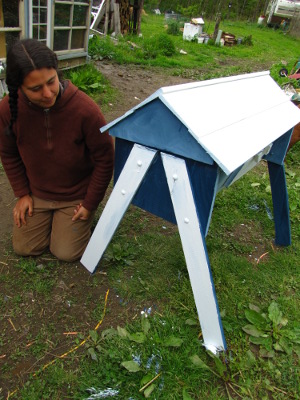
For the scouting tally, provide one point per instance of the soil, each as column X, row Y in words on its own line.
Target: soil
column 76, row 294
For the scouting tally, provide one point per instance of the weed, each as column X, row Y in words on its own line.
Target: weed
column 269, row 331
column 100, row 49
column 88, row 79
column 173, row 28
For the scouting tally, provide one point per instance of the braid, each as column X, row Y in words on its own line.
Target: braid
column 13, row 106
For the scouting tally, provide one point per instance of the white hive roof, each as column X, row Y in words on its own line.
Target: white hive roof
column 232, row 118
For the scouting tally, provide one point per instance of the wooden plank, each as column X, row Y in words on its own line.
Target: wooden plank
column 99, row 15
column 106, row 17
column 133, row 173
column 117, row 18
column 195, row 252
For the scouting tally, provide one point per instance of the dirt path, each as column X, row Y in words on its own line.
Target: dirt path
column 134, row 84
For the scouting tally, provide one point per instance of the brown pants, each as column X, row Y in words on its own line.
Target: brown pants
column 51, row 226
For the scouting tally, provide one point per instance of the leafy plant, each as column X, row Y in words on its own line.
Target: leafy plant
column 88, row 79
column 121, row 254
column 101, row 48
column 270, row 332
column 173, row 28
column 160, row 44
column 247, row 40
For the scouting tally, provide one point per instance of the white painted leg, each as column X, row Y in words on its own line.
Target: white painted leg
column 135, row 168
column 195, row 252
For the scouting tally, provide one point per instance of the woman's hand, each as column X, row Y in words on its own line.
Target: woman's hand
column 24, row 205
column 81, row 213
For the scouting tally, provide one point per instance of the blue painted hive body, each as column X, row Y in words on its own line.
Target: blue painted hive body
column 177, row 149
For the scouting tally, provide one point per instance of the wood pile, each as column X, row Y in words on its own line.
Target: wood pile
column 229, row 39
column 125, row 12
column 119, row 16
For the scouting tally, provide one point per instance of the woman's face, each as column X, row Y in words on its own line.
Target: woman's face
column 41, row 87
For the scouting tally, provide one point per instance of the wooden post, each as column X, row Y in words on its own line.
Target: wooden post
column 140, row 17
column 218, row 20
column 117, row 18
column 106, row 17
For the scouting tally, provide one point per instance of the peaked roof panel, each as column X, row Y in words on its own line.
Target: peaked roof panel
column 232, row 118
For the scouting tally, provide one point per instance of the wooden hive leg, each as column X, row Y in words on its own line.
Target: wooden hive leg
column 194, row 247
column 135, row 168
column 280, row 204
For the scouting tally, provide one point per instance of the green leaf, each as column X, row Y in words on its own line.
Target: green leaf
column 145, row 325
column 257, row 319
column 185, row 395
column 94, row 336
column 173, row 341
column 92, row 353
column 138, row 337
column 220, row 366
column 149, row 390
column 122, row 332
column 266, row 354
column 275, row 314
column 147, row 378
column 252, row 330
column 131, row 366
column 108, row 333
column 191, row 322
column 254, row 307
column 262, row 341
column 196, row 360
column 286, row 345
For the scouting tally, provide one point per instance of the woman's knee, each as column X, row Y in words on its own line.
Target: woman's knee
column 64, row 254
column 26, row 249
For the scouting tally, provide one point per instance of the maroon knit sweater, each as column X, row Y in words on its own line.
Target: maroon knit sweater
column 59, row 153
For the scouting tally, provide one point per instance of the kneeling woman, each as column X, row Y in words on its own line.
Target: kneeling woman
column 58, row 163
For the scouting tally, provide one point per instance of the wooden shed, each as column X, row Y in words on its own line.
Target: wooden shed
column 63, row 25
column 182, row 145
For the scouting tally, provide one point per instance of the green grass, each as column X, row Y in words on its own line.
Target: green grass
column 147, row 271
column 144, row 268
column 270, row 48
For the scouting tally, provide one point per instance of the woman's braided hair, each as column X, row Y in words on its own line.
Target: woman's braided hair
column 22, row 58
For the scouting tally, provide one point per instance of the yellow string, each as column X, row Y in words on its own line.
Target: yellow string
column 70, row 351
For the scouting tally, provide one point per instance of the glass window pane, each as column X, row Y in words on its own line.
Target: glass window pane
column 35, row 15
column 77, row 40
column 62, row 15
column 43, row 15
column 79, row 17
column 35, row 3
column 10, row 13
column 81, row 1
column 43, row 3
column 61, row 40
column 35, row 32
column 43, row 32
column 39, row 32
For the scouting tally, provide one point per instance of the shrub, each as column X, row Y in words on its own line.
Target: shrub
column 101, row 48
column 173, row 28
column 247, row 41
column 160, row 44
column 88, row 79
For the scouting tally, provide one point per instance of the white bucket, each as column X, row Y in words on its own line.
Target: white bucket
column 200, row 39
column 260, row 20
